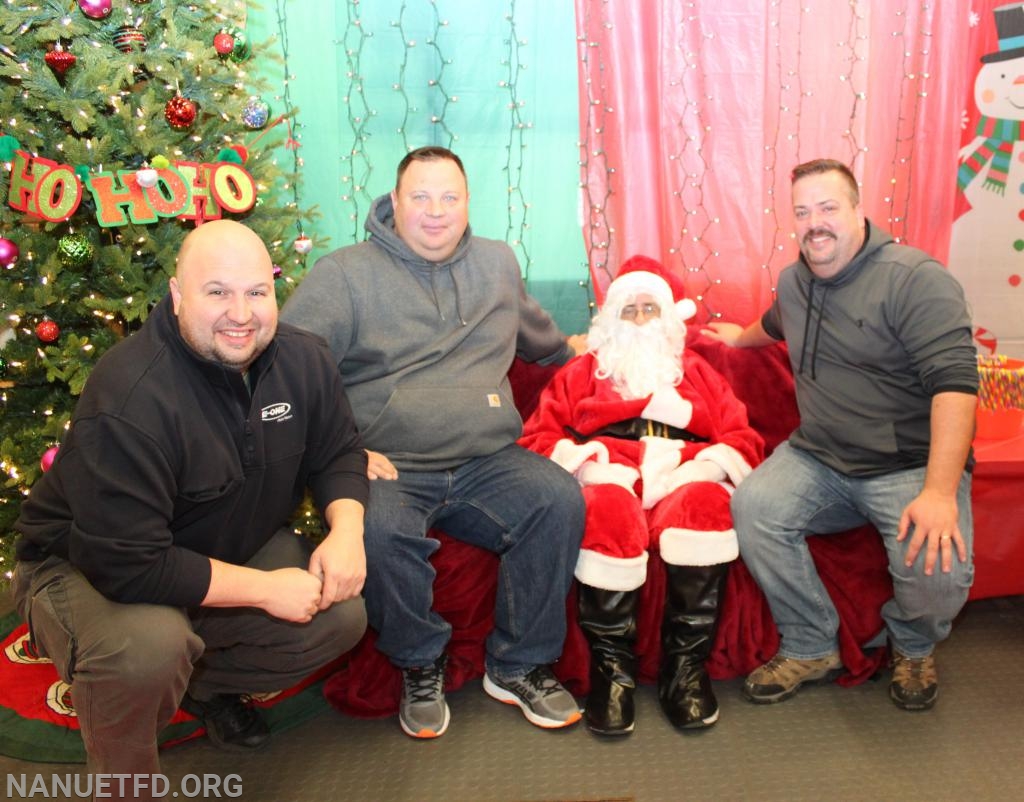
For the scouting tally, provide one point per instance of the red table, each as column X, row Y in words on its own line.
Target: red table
column 998, row 502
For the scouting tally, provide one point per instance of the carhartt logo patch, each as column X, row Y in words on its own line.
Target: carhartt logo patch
column 493, row 400
column 276, row 412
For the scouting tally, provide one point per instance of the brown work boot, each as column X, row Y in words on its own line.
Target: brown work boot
column 781, row 677
column 915, row 682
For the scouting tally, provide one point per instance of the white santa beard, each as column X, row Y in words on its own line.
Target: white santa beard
column 638, row 359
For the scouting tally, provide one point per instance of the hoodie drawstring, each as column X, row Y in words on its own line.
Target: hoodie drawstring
column 817, row 330
column 433, row 291
column 455, row 286
column 458, row 306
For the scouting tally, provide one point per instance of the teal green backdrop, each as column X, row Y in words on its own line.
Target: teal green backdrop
column 494, row 81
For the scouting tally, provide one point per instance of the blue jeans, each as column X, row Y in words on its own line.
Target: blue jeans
column 516, row 504
column 793, row 495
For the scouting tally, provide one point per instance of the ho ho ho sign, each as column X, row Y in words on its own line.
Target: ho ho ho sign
column 185, row 190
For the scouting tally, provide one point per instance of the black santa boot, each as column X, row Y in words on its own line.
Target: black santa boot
column 688, row 632
column 608, row 619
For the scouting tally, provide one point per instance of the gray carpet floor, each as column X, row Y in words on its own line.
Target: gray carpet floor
column 827, row 743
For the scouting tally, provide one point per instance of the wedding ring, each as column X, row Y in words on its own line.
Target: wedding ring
column 945, row 537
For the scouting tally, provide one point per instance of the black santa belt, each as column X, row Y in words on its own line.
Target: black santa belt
column 635, row 428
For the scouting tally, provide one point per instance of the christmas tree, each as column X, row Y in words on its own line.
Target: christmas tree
column 121, row 128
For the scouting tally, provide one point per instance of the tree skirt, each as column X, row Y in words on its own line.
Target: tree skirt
column 37, row 722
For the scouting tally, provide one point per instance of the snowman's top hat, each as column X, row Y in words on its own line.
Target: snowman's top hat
column 1010, row 28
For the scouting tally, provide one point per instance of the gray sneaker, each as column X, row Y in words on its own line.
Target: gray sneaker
column 539, row 695
column 781, row 677
column 423, row 712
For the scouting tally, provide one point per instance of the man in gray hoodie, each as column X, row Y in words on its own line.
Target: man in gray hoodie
column 879, row 339
column 424, row 320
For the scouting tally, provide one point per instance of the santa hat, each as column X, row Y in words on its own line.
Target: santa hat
column 643, row 275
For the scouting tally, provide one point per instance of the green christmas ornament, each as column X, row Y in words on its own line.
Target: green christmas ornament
column 75, row 251
column 241, row 51
column 8, row 144
column 228, row 155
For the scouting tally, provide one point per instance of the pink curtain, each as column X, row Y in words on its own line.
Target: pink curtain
column 693, row 114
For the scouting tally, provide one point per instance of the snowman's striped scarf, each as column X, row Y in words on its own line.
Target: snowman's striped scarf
column 1000, row 136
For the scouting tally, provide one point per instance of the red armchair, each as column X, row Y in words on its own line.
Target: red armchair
column 852, row 566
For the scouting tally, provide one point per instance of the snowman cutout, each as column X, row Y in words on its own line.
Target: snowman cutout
column 987, row 244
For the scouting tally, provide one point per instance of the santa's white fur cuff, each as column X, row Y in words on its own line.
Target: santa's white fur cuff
column 611, row 573
column 696, row 547
column 570, row 455
column 728, row 459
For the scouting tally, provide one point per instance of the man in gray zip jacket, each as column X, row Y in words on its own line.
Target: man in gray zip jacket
column 424, row 320
column 879, row 340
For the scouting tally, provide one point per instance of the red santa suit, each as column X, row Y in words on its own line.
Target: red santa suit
column 657, row 440
column 668, row 489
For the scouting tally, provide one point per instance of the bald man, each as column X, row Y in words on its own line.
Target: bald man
column 155, row 565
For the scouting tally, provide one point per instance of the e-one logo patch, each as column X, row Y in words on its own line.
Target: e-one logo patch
column 276, row 412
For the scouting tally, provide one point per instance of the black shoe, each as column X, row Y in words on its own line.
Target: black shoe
column 230, row 723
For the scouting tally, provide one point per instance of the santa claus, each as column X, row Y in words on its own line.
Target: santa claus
column 657, row 440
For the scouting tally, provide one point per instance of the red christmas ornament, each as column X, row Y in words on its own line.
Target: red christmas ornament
column 47, row 331
column 46, row 461
column 180, row 113
column 128, row 38
column 242, row 152
column 59, row 60
column 224, row 43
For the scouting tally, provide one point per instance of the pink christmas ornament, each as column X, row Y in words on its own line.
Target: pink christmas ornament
column 46, row 461
column 8, row 252
column 96, row 9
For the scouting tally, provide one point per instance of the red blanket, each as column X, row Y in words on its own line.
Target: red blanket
column 852, row 566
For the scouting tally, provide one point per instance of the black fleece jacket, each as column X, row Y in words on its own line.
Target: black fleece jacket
column 169, row 460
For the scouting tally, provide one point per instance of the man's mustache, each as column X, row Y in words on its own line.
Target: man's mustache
column 818, row 232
